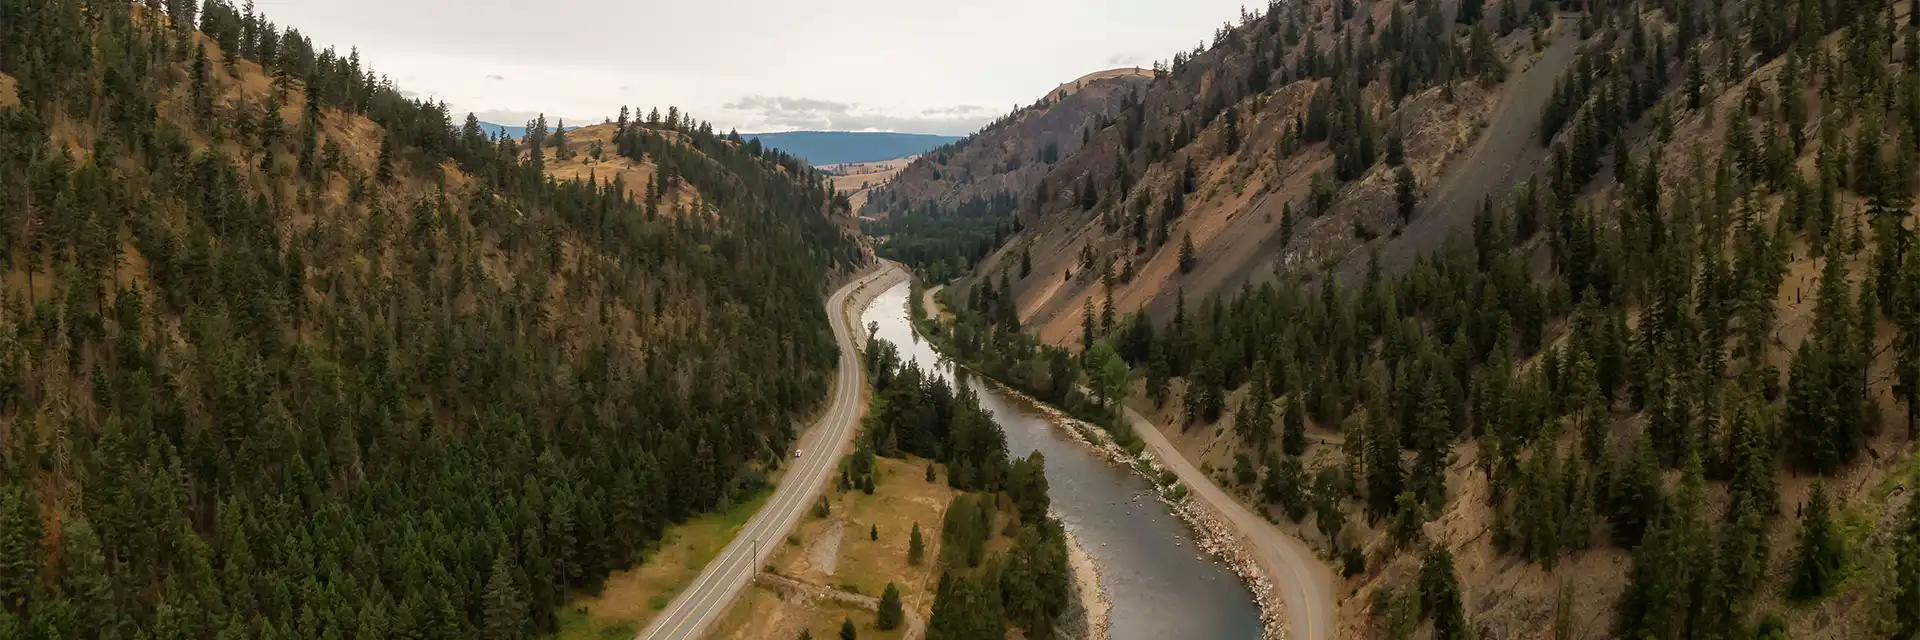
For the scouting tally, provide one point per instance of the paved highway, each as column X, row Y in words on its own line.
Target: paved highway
column 690, row 613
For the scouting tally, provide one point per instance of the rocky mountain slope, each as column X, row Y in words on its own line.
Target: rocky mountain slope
column 1585, row 319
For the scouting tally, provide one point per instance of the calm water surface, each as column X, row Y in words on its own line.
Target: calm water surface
column 1161, row 585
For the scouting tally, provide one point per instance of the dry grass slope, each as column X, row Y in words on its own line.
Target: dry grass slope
column 859, row 179
column 837, row 552
column 636, row 174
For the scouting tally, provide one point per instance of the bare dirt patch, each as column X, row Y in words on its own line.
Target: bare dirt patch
column 824, row 552
column 8, row 95
column 1507, row 152
column 1069, row 88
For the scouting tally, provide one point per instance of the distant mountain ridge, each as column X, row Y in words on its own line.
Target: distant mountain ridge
column 817, row 147
column 492, row 129
column 840, row 147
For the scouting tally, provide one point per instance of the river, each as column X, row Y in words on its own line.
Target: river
column 1159, row 583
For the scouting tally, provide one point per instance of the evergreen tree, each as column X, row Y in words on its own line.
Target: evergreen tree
column 1817, row 562
column 1440, row 595
column 1187, row 259
column 383, row 170
column 1469, row 12
column 505, row 606
column 890, row 613
column 19, row 547
column 562, row 150
column 847, row 631
column 1905, row 307
column 1828, row 385
column 1906, row 598
column 1293, row 439
column 1406, row 193
column 916, row 548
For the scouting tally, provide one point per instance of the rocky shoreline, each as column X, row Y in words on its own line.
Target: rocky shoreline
column 1211, row 533
column 1094, row 604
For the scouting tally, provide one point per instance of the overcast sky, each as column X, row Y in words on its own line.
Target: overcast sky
column 756, row 65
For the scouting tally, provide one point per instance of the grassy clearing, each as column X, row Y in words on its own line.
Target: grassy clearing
column 760, row 613
column 631, row 598
column 902, row 496
column 1904, row 474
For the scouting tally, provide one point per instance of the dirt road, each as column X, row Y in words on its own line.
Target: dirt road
column 1303, row 582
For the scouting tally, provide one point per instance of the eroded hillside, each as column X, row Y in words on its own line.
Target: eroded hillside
column 1633, row 353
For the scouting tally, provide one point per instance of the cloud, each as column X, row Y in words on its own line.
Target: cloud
column 959, row 110
column 410, row 95
column 778, row 113
column 1124, row 60
column 515, row 118
column 495, row 77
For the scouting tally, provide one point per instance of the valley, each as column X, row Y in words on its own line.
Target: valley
column 1394, row 319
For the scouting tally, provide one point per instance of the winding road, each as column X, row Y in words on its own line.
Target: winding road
column 690, row 613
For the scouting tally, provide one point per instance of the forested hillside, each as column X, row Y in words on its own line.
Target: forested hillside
column 1664, row 388
column 285, row 353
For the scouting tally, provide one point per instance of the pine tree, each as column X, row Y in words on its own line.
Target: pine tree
column 847, row 631
column 1469, row 12
column 1827, row 385
column 873, row 530
column 916, row 548
column 1254, row 420
column 562, row 150
column 1906, row 599
column 1231, row 136
column 505, row 607
column 202, row 90
column 1905, row 307
column 1817, row 563
column 19, row 547
column 1385, row 477
column 1293, row 438
column 383, row 170
column 1406, row 193
column 890, row 613
column 1187, row 259
column 1440, row 595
